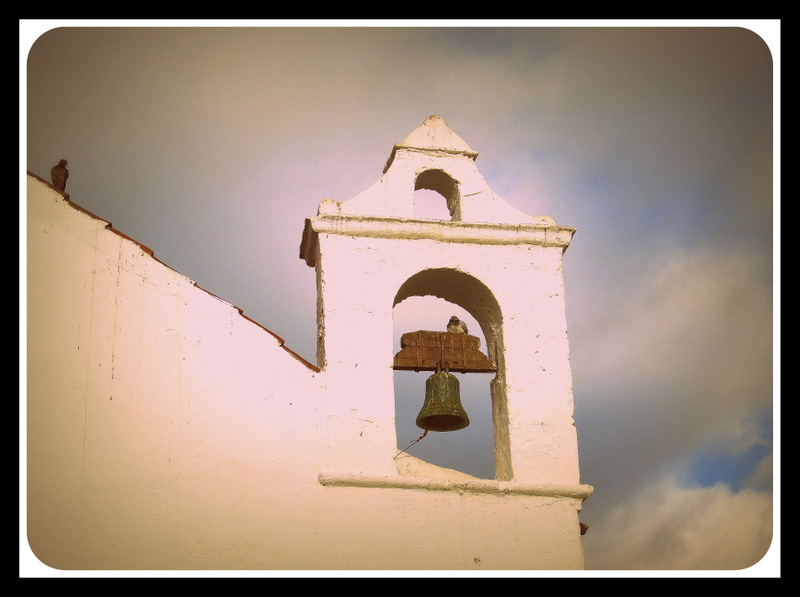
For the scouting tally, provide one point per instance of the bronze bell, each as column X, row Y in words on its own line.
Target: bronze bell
column 442, row 410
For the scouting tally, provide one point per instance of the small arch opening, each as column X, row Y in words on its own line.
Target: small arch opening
column 430, row 187
column 429, row 205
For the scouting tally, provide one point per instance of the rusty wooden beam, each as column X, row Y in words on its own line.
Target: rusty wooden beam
column 425, row 350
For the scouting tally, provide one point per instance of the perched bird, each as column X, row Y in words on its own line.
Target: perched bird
column 59, row 175
column 456, row 326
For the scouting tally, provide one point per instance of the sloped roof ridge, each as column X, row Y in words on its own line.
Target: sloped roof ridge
column 150, row 252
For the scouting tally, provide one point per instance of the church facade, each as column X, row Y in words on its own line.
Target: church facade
column 166, row 430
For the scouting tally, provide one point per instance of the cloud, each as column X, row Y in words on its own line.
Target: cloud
column 683, row 349
column 697, row 317
column 673, row 371
column 670, row 527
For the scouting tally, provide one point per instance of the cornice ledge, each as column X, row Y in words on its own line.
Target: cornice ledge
column 490, row 233
column 487, row 486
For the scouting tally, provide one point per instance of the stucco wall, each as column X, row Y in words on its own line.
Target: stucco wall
column 164, row 428
column 167, row 431
column 362, row 277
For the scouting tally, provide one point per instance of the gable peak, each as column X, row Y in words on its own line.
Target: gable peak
column 434, row 135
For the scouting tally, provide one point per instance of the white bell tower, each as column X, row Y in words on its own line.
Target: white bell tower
column 499, row 264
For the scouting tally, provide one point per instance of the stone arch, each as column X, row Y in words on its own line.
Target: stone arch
column 472, row 295
column 435, row 179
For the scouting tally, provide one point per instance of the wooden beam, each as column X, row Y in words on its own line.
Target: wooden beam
column 425, row 350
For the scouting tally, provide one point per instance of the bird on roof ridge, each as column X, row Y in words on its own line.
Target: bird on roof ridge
column 59, row 175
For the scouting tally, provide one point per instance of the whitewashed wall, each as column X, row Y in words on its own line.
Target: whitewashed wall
column 167, row 431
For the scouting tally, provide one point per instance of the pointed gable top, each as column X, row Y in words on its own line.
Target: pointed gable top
column 434, row 135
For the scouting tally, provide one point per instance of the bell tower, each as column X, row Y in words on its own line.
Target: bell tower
column 501, row 265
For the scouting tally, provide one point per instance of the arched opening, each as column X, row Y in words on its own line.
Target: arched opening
column 430, row 187
column 469, row 450
column 429, row 205
column 426, row 301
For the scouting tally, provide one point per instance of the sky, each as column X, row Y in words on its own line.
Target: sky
column 211, row 142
